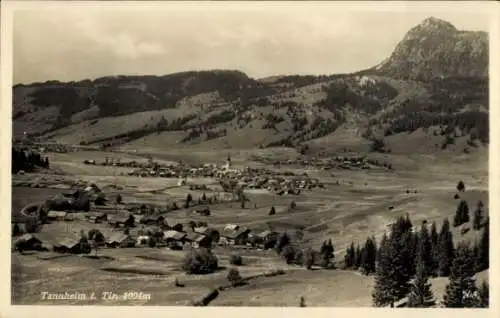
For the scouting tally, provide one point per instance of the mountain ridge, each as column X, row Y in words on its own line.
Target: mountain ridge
column 421, row 84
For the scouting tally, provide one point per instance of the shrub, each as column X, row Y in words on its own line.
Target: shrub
column 200, row 261
column 100, row 199
column 235, row 259
column 272, row 211
column 234, row 277
column 308, row 258
column 288, row 254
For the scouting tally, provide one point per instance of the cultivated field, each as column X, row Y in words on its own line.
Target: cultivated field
column 352, row 206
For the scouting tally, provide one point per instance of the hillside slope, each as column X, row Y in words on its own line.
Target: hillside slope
column 435, row 81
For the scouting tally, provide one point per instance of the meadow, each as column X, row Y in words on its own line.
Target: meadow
column 353, row 205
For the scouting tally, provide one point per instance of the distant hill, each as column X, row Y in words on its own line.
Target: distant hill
column 435, row 81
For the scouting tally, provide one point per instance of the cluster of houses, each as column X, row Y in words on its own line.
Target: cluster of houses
column 246, row 178
column 338, row 162
column 157, row 234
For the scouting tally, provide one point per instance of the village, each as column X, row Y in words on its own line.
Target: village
column 111, row 223
column 246, row 178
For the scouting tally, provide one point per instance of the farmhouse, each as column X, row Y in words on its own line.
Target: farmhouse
column 71, row 245
column 237, row 237
column 122, row 220
column 191, row 237
column 210, row 232
column 143, row 240
column 56, row 215
column 28, row 242
column 120, row 240
column 98, row 217
column 202, row 241
column 203, row 210
column 266, row 239
column 174, row 236
column 152, row 220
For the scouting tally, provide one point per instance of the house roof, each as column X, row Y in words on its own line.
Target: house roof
column 201, row 230
column 174, row 235
column 152, row 218
column 97, row 214
column 191, row 236
column 75, row 216
column 231, row 227
column 53, row 213
column 264, row 233
column 118, row 217
column 26, row 238
column 200, row 238
column 68, row 242
column 235, row 234
column 118, row 238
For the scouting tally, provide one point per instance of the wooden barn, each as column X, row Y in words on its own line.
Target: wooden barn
column 152, row 220
column 98, row 217
column 121, row 220
column 203, row 210
column 28, row 242
column 208, row 231
column 171, row 236
column 73, row 245
column 202, row 241
column 237, row 237
column 266, row 239
column 120, row 240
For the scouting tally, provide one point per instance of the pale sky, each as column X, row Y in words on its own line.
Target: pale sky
column 76, row 44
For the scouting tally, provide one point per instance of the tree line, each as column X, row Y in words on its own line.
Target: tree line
column 27, row 161
column 405, row 260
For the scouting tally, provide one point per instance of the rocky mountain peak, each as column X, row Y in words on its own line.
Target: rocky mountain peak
column 436, row 48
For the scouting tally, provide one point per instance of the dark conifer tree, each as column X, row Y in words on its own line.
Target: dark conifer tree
column 435, row 250
column 383, row 242
column 282, row 241
column 394, row 271
column 357, row 257
column 189, row 199
column 382, row 294
column 328, row 254
column 461, row 291
column 484, row 295
column 483, row 250
column 420, row 291
column 350, row 255
column 461, row 214
column 445, row 249
column 424, row 251
column 477, row 222
column 369, row 255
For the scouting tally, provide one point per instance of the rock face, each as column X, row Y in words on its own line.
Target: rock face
column 435, row 48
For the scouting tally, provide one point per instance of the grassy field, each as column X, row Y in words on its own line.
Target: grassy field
column 353, row 206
